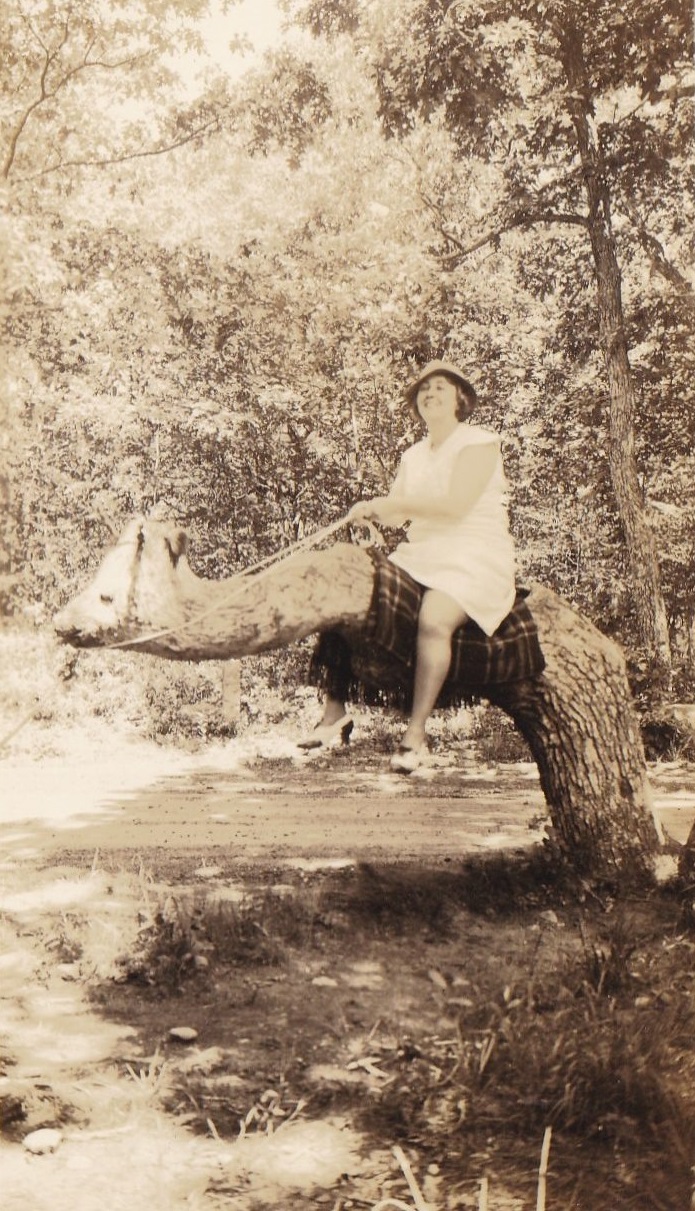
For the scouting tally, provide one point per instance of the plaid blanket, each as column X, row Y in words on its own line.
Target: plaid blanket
column 375, row 663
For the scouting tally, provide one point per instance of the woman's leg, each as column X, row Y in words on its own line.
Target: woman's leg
column 439, row 617
column 335, row 725
column 331, row 671
column 333, row 710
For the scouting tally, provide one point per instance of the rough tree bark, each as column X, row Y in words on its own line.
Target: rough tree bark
column 644, row 565
column 577, row 717
column 580, row 725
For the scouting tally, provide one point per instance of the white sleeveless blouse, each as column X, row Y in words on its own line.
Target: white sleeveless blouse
column 472, row 558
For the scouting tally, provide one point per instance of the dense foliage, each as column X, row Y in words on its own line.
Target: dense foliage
column 217, row 290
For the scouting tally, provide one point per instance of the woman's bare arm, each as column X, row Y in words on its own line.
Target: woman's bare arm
column 471, row 474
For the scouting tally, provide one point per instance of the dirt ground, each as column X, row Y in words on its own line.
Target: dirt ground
column 264, row 801
column 372, row 974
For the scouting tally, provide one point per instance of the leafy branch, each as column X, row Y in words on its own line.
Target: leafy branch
column 534, row 211
column 48, row 88
column 122, row 157
column 524, row 217
column 658, row 260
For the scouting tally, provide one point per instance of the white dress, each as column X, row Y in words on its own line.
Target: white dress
column 470, row 559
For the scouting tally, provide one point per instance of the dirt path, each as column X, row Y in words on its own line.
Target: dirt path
column 212, row 813
column 266, row 807
column 261, row 805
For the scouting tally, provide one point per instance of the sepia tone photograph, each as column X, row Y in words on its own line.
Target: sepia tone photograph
column 347, row 578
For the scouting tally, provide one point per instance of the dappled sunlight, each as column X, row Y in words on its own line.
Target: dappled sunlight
column 114, row 1146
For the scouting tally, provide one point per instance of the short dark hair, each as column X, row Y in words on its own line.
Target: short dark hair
column 466, row 396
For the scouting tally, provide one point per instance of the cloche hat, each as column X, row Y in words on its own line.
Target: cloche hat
column 438, row 367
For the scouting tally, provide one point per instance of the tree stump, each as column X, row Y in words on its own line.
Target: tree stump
column 231, row 692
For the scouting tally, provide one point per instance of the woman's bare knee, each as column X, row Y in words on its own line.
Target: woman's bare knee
column 439, row 615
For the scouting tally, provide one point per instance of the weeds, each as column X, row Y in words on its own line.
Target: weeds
column 593, row 1048
column 184, row 936
column 577, row 1067
column 496, row 739
column 607, row 958
column 578, row 1019
column 65, row 941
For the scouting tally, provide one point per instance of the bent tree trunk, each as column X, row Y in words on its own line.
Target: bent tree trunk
column 581, row 727
column 577, row 717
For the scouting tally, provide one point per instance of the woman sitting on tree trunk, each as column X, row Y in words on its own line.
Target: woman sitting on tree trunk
column 451, row 489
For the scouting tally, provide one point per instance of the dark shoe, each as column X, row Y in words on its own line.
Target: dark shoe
column 406, row 760
column 327, row 734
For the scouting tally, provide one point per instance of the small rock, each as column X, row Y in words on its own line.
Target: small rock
column 184, row 1034
column 46, row 1139
column 324, row 982
column 201, row 1061
column 68, row 971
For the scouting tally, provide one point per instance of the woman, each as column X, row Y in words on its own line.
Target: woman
column 451, row 489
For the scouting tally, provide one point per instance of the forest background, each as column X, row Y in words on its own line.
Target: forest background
column 219, row 281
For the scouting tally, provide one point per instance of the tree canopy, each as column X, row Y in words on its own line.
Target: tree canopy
column 216, row 294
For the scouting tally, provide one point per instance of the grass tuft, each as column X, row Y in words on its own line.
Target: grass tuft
column 184, row 936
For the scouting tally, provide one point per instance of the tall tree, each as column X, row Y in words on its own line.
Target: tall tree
column 573, row 41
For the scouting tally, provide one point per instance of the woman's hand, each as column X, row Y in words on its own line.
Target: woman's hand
column 382, row 509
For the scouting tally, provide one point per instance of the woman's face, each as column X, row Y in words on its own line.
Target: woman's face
column 437, row 400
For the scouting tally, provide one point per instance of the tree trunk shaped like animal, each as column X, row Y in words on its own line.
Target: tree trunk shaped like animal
column 577, row 717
